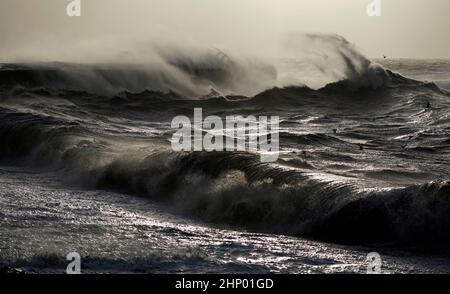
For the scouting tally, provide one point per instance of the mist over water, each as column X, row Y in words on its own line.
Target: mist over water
column 196, row 70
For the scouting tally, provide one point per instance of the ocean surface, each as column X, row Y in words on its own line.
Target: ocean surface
column 86, row 166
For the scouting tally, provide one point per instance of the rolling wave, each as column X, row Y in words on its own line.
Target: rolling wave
column 118, row 81
column 235, row 188
column 54, row 117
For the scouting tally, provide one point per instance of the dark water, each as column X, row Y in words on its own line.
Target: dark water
column 363, row 162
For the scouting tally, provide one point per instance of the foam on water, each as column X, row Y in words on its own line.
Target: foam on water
column 363, row 160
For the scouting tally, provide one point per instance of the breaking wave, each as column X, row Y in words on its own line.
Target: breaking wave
column 235, row 188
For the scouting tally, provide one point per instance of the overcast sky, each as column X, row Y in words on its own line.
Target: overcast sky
column 406, row 28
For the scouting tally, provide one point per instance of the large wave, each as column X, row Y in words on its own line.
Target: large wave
column 122, row 86
column 232, row 188
column 196, row 72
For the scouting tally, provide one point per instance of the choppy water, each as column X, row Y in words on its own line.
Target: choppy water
column 43, row 220
column 364, row 161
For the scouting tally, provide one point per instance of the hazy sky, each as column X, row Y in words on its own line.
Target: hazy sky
column 406, row 28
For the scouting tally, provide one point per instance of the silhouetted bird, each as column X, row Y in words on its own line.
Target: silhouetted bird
column 361, row 147
column 404, row 145
column 335, row 131
column 428, row 105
